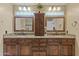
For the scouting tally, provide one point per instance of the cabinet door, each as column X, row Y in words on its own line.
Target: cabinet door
column 25, row 50
column 66, row 50
column 53, row 50
column 10, row 50
column 39, row 24
column 10, row 47
column 25, row 47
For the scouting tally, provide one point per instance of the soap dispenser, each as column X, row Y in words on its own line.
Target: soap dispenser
column 6, row 32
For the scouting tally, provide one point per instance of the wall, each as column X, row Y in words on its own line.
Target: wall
column 72, row 14
column 6, row 18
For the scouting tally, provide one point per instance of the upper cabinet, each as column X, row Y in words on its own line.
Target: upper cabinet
column 39, row 24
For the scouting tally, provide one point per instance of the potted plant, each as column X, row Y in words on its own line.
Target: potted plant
column 39, row 7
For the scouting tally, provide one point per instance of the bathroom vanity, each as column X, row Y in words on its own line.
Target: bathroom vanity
column 30, row 45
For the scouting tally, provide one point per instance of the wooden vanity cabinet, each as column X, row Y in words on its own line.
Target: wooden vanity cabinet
column 24, row 47
column 53, row 47
column 10, row 47
column 39, row 24
column 61, row 47
column 68, row 47
column 39, row 47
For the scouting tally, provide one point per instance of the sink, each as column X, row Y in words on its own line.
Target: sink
column 21, row 34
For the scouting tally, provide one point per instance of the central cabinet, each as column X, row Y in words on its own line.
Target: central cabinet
column 39, row 24
column 39, row 47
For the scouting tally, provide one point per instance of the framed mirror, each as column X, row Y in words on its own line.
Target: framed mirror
column 24, row 24
column 55, row 24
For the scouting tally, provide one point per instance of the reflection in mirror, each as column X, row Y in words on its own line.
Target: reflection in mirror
column 55, row 24
column 23, row 24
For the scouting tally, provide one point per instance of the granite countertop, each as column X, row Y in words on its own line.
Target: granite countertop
column 24, row 35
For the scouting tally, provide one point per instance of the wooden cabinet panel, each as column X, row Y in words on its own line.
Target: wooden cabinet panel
column 35, row 42
column 53, row 41
column 36, row 53
column 25, row 50
column 24, row 47
column 39, row 53
column 66, row 50
column 68, row 41
column 53, row 50
column 43, row 42
column 43, row 53
column 10, row 47
column 39, row 24
column 10, row 50
column 24, row 41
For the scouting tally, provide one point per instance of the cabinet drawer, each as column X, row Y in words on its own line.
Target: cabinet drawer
column 43, row 42
column 24, row 41
column 6, row 41
column 43, row 48
column 64, row 41
column 10, row 41
column 35, row 48
column 53, row 41
column 68, row 41
column 35, row 42
column 72, row 41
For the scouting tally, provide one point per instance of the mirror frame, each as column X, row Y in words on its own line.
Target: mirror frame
column 23, row 30
column 46, row 18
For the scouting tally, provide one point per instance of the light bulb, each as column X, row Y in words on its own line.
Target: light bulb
column 50, row 8
column 20, row 8
column 24, row 8
column 29, row 9
column 54, row 8
column 58, row 8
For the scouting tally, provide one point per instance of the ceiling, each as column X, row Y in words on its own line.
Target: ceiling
column 27, row 4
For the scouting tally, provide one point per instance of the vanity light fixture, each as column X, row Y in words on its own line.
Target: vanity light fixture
column 50, row 8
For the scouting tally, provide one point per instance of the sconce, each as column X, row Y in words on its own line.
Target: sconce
column 74, row 23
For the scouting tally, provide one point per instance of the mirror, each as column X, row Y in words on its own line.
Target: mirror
column 55, row 24
column 23, row 24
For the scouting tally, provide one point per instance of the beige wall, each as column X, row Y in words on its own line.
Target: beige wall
column 6, row 18
column 72, row 14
